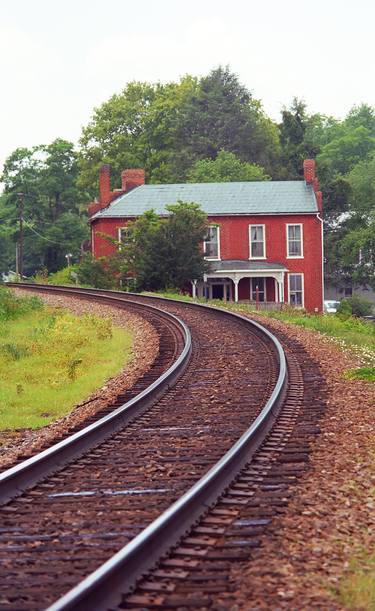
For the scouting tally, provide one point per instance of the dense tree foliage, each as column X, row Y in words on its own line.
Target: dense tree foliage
column 225, row 168
column 162, row 253
column 41, row 187
column 167, row 128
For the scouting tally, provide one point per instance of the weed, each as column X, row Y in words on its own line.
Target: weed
column 15, row 351
column 72, row 368
column 357, row 589
column 12, row 306
column 363, row 373
column 102, row 326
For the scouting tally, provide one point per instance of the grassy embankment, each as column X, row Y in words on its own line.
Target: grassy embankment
column 357, row 589
column 50, row 360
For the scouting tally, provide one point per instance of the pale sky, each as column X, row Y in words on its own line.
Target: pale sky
column 61, row 58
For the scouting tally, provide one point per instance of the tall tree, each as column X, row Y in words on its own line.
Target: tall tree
column 292, row 134
column 167, row 128
column 224, row 115
column 40, row 188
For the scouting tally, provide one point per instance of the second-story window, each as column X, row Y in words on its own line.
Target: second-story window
column 123, row 236
column 294, row 239
column 257, row 242
column 211, row 243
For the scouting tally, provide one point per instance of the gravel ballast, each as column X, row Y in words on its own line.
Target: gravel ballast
column 330, row 518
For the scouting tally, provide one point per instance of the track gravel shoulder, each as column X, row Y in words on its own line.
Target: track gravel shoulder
column 24, row 443
column 331, row 514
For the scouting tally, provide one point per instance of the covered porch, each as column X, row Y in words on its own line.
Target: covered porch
column 257, row 281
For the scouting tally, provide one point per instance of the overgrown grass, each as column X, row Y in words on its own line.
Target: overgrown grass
column 363, row 373
column 357, row 589
column 12, row 306
column 51, row 360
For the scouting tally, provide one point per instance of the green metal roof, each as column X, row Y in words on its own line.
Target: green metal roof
column 269, row 197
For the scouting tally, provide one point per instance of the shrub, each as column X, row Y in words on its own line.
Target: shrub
column 93, row 272
column 355, row 306
column 41, row 276
column 67, row 275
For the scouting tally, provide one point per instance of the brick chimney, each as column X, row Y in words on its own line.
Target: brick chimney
column 311, row 179
column 104, row 185
column 309, row 170
column 131, row 179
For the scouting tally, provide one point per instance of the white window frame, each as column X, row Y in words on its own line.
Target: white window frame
column 264, row 241
column 218, row 245
column 288, row 256
column 302, row 284
column 120, row 229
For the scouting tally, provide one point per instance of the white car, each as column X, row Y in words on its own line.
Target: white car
column 331, row 306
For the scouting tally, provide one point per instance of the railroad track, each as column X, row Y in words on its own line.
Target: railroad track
column 92, row 507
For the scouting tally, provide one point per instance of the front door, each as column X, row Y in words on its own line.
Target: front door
column 260, row 283
column 217, row 291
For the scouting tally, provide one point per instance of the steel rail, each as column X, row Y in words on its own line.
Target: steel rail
column 118, row 575
column 16, row 479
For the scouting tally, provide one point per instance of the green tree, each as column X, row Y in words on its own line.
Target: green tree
column 344, row 152
column 225, row 168
column 361, row 116
column 51, row 204
column 166, row 128
column 179, row 250
column 164, row 253
column 292, row 133
column 224, row 115
column 361, row 180
column 7, row 247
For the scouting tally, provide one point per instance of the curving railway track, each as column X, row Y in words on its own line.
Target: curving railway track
column 92, row 522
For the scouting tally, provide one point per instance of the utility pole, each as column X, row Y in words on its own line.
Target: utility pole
column 21, row 237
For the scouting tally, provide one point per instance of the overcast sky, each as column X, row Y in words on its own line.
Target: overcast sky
column 61, row 58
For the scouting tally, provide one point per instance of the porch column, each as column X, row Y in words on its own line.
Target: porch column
column 282, row 288
column 276, row 290
column 194, row 288
column 235, row 289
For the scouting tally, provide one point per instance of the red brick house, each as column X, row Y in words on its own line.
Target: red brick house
column 264, row 240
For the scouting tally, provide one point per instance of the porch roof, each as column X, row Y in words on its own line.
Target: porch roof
column 234, row 265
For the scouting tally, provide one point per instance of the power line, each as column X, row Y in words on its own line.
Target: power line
column 42, row 236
